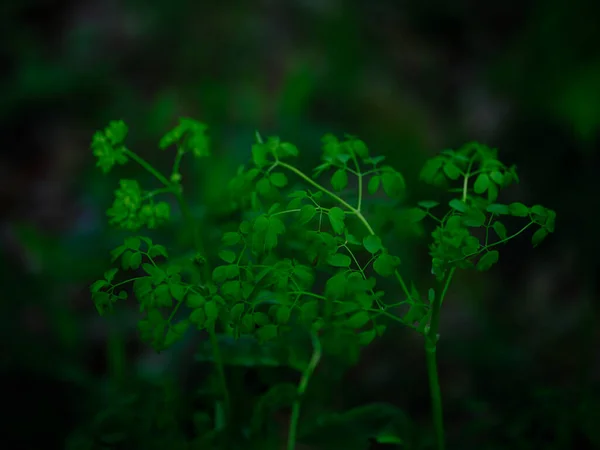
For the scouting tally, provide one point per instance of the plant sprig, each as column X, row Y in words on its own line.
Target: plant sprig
column 261, row 282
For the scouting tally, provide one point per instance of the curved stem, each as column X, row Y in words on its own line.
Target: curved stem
column 148, row 167
column 431, row 339
column 220, row 369
column 326, row 191
column 306, row 375
column 199, row 246
column 354, row 211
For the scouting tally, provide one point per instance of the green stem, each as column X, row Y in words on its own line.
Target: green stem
column 431, row 339
column 148, row 167
column 220, row 368
column 198, row 245
column 117, row 360
column 306, row 375
column 326, row 191
column 354, row 211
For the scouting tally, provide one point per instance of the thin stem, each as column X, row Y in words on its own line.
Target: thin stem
column 220, row 368
column 198, row 245
column 306, row 375
column 148, row 167
column 340, row 200
column 360, row 183
column 431, row 339
column 326, row 191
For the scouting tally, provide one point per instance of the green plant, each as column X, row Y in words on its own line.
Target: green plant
column 305, row 258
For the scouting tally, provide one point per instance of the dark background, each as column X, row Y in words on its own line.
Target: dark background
column 519, row 356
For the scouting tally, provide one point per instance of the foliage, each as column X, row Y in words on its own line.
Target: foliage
column 304, row 259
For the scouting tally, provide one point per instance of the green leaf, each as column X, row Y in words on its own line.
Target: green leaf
column 261, row 319
column 339, row 260
column 336, row 218
column 487, row 260
column 278, row 179
column 386, row 264
column 372, row 244
column 198, row 317
column 481, row 183
column 97, row 285
column 283, row 315
column 307, row 212
column 416, row 214
column 500, row 229
column 109, row 275
column 162, row 296
column 135, row 261
column 428, row 204
column 355, row 428
column 451, row 171
column 497, row 208
column 211, row 309
column 177, row 291
column 231, row 238
column 259, row 155
column 133, row 243
column 373, row 185
column 227, row 255
column 339, row 180
column 236, row 312
column 267, row 333
column 263, row 186
column 366, row 337
column 358, row 320
column 518, row 209
column 498, row 177
column 195, row 300
column 458, row 205
column 473, row 218
column 393, row 184
column 539, row 236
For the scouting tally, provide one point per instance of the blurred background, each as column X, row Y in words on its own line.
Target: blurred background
column 519, row 358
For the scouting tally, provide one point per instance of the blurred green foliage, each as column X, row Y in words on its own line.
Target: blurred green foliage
column 397, row 76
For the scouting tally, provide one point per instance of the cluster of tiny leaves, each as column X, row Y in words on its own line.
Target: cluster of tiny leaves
column 133, row 207
column 479, row 176
column 297, row 229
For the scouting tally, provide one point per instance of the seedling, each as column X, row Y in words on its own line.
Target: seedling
column 296, row 228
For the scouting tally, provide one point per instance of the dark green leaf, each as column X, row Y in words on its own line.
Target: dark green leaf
column 539, row 236
column 518, row 209
column 500, row 229
column 416, row 214
column 336, row 218
column 195, row 300
column 393, row 184
column 497, row 208
column 373, row 185
column 428, row 204
column 386, row 264
column 227, row 255
column 487, row 260
column 481, row 183
column 339, row 260
column 278, row 179
column 211, row 309
column 458, row 205
column 451, row 171
column 372, row 244
column 339, row 180
column 267, row 333
column 357, row 320
column 231, row 238
column 307, row 212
